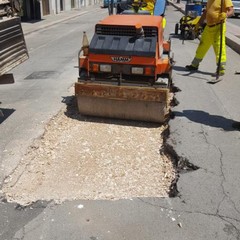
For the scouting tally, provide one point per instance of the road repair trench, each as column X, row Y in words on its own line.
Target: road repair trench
column 91, row 158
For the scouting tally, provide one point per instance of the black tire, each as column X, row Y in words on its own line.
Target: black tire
column 176, row 28
column 192, row 35
column 83, row 73
column 185, row 34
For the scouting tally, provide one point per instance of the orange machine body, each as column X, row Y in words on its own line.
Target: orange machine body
column 117, row 43
column 125, row 71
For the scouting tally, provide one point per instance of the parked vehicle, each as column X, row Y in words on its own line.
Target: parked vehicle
column 236, row 7
column 13, row 50
column 187, row 23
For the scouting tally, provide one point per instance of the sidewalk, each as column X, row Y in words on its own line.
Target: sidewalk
column 50, row 20
column 233, row 31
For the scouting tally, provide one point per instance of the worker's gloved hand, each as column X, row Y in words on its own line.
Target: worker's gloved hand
column 222, row 16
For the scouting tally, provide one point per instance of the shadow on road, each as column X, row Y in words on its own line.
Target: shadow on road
column 7, row 79
column 188, row 73
column 206, row 119
column 5, row 113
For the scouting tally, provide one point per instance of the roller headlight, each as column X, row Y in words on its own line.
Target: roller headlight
column 137, row 70
column 105, row 68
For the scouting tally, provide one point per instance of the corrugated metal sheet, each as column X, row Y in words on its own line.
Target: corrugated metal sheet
column 13, row 50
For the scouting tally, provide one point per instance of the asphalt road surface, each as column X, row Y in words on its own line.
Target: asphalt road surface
column 206, row 147
column 234, row 20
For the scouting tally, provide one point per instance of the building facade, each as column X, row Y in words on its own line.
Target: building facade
column 37, row 9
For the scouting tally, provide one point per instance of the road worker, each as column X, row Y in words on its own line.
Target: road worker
column 150, row 6
column 214, row 15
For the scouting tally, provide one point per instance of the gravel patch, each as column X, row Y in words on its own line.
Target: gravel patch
column 92, row 158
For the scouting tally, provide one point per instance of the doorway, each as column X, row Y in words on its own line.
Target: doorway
column 72, row 3
column 31, row 10
column 61, row 5
column 45, row 7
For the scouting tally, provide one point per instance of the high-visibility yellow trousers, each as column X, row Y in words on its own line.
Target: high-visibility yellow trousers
column 211, row 37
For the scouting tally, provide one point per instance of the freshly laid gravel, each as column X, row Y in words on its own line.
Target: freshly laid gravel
column 92, row 158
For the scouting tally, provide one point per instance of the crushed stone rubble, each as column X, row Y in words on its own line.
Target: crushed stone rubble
column 90, row 158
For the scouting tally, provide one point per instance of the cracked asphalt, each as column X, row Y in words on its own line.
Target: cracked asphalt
column 201, row 132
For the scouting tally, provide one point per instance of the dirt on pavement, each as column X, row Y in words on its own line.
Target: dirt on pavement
column 92, row 158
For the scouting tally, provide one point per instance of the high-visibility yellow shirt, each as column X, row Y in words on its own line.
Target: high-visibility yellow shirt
column 150, row 5
column 214, row 9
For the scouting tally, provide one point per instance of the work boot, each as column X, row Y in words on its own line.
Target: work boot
column 221, row 73
column 236, row 125
column 191, row 67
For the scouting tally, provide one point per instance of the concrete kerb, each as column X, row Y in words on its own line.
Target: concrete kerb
column 231, row 40
column 178, row 6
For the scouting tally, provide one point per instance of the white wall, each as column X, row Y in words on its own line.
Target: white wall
column 67, row 5
column 55, row 5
